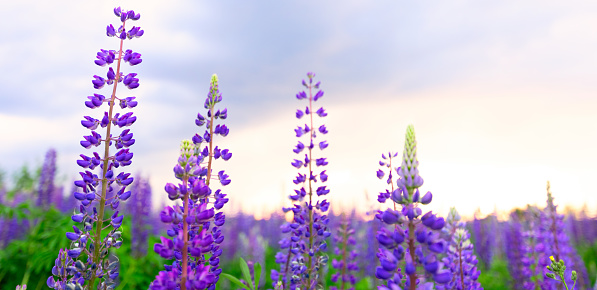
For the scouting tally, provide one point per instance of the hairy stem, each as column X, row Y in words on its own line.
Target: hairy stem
column 310, row 208
column 411, row 248
column 185, row 239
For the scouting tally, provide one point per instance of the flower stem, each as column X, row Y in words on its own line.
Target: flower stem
column 102, row 202
column 411, row 247
column 310, row 208
column 185, row 229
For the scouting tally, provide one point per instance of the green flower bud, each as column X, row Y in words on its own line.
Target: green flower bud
column 187, row 148
column 214, row 87
column 550, row 275
column 574, row 276
column 409, row 172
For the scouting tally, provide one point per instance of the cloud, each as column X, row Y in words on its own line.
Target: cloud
column 499, row 93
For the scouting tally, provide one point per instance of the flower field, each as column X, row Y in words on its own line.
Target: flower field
column 104, row 230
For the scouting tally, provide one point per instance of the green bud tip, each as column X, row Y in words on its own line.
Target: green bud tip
column 213, row 86
column 574, row 276
column 410, row 164
column 187, row 148
column 550, row 275
column 214, row 80
column 453, row 215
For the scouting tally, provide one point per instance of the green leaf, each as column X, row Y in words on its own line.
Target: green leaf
column 245, row 270
column 234, row 280
column 257, row 272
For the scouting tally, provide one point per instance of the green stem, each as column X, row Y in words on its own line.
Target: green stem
column 27, row 274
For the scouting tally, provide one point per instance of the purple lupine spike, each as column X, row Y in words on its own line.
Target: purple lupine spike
column 96, row 191
column 408, row 235
column 484, row 242
column 345, row 248
column 516, row 252
column 301, row 252
column 552, row 240
column 46, row 180
column 459, row 259
column 139, row 208
column 195, row 237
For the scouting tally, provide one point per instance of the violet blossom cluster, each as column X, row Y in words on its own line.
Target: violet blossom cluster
column 139, row 208
column 346, row 267
column 85, row 261
column 517, row 253
column 483, row 230
column 460, row 259
column 301, row 256
column 409, row 235
column 553, row 241
column 195, row 237
column 46, row 180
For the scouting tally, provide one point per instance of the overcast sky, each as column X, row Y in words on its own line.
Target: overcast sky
column 502, row 94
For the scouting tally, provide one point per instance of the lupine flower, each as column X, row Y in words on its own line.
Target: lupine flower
column 195, row 237
column 409, row 235
column 484, row 241
column 301, row 258
column 139, row 207
column 370, row 247
column 553, row 241
column 13, row 228
column 46, row 180
column 460, row 260
column 107, row 188
column 516, row 253
column 345, row 249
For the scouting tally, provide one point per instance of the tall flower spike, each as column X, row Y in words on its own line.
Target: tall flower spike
column 195, row 237
column 346, row 266
column 408, row 235
column 139, row 207
column 301, row 256
column 553, row 240
column 460, row 260
column 90, row 244
column 46, row 180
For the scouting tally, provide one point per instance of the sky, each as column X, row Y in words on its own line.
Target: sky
column 502, row 94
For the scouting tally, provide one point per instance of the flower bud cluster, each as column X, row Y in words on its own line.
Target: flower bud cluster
column 95, row 191
column 195, row 237
column 301, row 255
column 409, row 235
column 558, row 268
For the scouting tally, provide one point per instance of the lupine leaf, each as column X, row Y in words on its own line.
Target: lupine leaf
column 234, row 280
column 257, row 272
column 245, row 270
